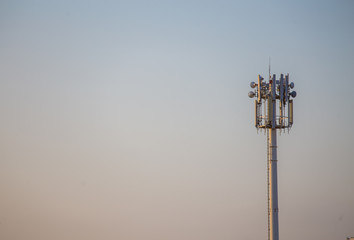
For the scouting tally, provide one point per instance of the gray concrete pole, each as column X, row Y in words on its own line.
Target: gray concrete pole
column 273, row 186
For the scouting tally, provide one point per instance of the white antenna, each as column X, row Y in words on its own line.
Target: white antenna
column 269, row 68
column 275, row 92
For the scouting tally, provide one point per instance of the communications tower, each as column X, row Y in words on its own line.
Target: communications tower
column 273, row 111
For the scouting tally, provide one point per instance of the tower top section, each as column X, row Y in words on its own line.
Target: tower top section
column 274, row 102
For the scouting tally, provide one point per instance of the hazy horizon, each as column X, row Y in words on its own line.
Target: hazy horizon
column 130, row 120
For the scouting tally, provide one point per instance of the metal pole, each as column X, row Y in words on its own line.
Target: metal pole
column 273, row 181
column 273, row 186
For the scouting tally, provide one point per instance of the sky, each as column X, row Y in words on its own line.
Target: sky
column 130, row 120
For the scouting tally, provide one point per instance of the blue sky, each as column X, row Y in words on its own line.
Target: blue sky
column 130, row 119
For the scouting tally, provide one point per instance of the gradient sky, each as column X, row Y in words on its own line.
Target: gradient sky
column 130, row 120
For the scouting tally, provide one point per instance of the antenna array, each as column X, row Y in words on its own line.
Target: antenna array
column 266, row 102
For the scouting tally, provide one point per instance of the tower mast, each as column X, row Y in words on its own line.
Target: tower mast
column 268, row 95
